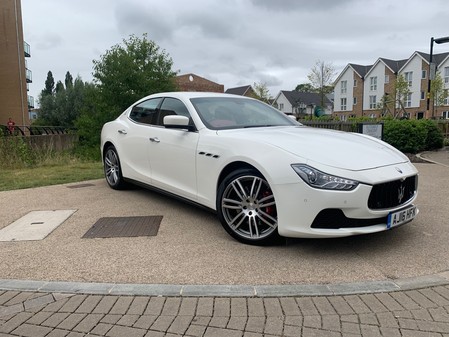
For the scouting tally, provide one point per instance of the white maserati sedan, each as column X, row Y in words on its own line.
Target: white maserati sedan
column 266, row 175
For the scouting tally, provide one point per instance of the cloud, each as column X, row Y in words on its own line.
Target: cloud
column 137, row 18
column 48, row 41
column 303, row 5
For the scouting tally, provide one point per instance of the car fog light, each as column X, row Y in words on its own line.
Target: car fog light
column 322, row 180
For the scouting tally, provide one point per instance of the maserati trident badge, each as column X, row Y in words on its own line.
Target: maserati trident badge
column 401, row 191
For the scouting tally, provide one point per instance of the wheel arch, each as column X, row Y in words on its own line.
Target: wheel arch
column 231, row 167
column 105, row 146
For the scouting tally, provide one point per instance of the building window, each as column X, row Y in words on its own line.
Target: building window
column 281, row 106
column 423, row 95
column 387, row 78
column 343, row 104
column 355, row 101
column 445, row 115
column 373, row 83
column 424, row 74
column 355, row 83
column 343, row 118
column 408, row 101
column 372, row 116
column 372, row 102
column 344, row 87
column 409, row 77
column 446, row 75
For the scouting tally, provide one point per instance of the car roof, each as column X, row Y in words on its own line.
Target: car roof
column 194, row 94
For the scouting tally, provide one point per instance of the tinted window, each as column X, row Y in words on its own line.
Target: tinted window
column 172, row 106
column 146, row 112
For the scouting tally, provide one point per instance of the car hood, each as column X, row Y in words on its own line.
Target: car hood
column 344, row 150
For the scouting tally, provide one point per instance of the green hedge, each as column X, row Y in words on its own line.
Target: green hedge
column 413, row 136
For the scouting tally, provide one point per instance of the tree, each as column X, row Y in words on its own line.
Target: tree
column 49, row 84
column 59, row 87
column 322, row 77
column 438, row 93
column 261, row 91
column 402, row 91
column 305, row 87
column 68, row 80
column 393, row 104
column 128, row 72
column 64, row 105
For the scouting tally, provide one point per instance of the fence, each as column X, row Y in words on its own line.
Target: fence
column 54, row 138
column 24, row 130
column 443, row 125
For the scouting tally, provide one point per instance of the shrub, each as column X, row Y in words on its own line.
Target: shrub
column 412, row 136
column 434, row 139
column 16, row 152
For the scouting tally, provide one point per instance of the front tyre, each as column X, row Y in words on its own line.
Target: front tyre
column 112, row 169
column 247, row 209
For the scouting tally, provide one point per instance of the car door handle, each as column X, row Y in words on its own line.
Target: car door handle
column 155, row 140
column 122, row 132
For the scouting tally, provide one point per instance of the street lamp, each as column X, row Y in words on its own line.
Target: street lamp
column 433, row 67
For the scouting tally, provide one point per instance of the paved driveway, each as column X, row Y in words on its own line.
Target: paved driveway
column 192, row 248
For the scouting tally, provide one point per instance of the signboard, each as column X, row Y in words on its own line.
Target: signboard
column 372, row 129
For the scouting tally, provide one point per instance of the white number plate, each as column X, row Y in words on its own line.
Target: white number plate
column 401, row 217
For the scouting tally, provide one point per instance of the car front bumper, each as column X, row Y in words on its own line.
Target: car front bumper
column 301, row 209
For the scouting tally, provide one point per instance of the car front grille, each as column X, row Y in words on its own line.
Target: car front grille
column 393, row 193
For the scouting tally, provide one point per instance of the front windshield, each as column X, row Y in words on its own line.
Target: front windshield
column 219, row 113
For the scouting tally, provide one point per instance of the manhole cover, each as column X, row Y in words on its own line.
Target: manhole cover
column 35, row 225
column 114, row 227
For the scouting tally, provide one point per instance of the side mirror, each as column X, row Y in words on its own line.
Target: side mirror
column 178, row 122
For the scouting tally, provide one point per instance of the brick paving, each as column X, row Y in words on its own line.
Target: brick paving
column 409, row 313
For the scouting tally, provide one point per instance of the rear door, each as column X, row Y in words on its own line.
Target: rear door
column 135, row 140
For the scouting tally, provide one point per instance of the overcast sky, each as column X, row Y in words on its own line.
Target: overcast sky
column 232, row 42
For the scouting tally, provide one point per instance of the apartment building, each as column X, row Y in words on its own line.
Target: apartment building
column 14, row 73
column 361, row 89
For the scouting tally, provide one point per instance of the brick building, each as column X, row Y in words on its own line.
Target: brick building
column 14, row 74
column 192, row 82
column 361, row 90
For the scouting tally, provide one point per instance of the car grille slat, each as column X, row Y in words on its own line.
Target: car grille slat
column 393, row 193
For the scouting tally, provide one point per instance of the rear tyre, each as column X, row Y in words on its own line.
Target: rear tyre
column 112, row 169
column 247, row 209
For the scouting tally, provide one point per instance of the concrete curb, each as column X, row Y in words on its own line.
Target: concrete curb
column 420, row 156
column 440, row 279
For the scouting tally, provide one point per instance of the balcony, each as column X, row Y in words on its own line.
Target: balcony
column 30, row 102
column 27, row 50
column 29, row 76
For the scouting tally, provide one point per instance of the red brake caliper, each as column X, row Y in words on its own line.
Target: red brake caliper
column 269, row 209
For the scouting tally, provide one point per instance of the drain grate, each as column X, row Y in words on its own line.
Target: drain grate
column 115, row 227
column 80, row 185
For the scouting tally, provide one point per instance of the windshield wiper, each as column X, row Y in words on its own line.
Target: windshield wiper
column 259, row 126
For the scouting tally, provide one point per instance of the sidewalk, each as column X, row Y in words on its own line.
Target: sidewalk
column 392, row 284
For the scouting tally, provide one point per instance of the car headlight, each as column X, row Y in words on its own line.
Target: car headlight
column 322, row 180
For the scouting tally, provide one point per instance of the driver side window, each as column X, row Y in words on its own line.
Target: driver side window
column 172, row 106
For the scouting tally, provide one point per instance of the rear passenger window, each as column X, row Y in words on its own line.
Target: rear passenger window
column 146, row 112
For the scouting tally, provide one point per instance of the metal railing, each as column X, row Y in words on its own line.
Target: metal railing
column 26, row 49
column 31, row 130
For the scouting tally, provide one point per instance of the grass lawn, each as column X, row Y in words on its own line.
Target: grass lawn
column 49, row 174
